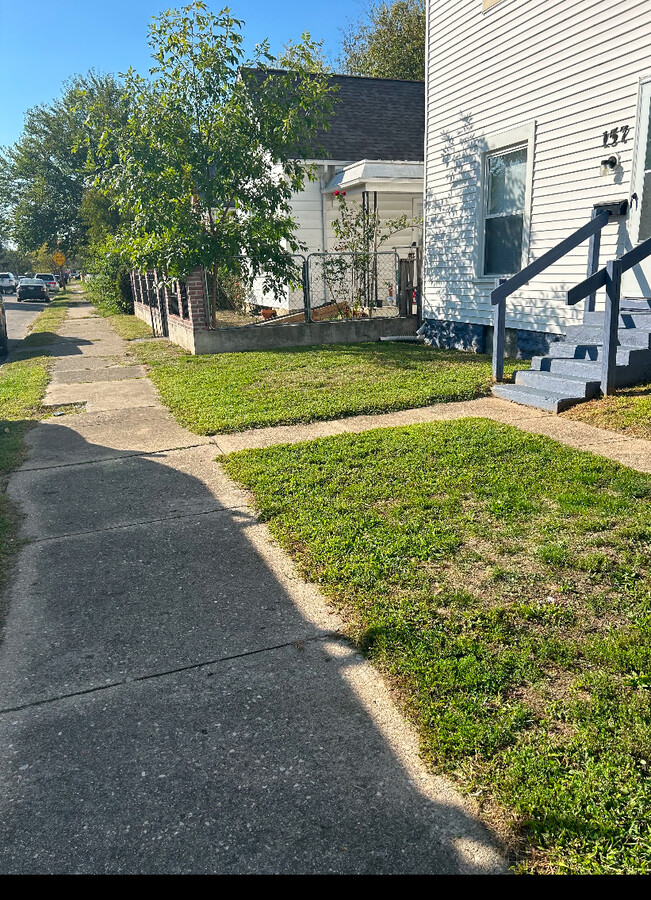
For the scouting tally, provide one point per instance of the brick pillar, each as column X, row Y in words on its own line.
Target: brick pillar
column 197, row 300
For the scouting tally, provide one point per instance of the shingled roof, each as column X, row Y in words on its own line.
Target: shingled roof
column 374, row 118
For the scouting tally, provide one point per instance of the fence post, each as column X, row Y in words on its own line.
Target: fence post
column 499, row 335
column 594, row 247
column 306, row 291
column 419, row 287
column 611, row 324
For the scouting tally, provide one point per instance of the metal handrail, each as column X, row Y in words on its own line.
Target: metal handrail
column 610, row 277
column 598, row 279
column 504, row 287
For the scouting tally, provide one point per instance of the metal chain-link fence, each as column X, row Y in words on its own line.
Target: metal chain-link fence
column 247, row 299
column 326, row 286
column 352, row 285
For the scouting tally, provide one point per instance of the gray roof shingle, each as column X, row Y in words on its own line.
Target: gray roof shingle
column 374, row 118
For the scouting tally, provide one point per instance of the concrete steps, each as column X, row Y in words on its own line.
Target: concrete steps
column 570, row 373
column 548, row 400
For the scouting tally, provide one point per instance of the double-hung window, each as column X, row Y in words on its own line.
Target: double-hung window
column 505, row 179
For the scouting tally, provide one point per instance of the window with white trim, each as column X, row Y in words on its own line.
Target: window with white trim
column 505, row 179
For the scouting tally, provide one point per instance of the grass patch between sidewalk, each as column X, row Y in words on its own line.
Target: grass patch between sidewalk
column 229, row 392
column 628, row 411
column 44, row 328
column 502, row 582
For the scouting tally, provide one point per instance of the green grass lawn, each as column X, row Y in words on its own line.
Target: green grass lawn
column 22, row 388
column 233, row 391
column 502, row 582
column 627, row 411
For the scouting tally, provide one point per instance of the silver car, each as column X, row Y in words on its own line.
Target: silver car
column 50, row 281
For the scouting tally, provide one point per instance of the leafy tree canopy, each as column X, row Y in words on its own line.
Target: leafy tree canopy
column 307, row 55
column 210, row 151
column 388, row 42
column 45, row 173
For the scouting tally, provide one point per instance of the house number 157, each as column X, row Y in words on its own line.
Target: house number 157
column 616, row 136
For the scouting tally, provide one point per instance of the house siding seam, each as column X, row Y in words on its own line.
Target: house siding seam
column 575, row 74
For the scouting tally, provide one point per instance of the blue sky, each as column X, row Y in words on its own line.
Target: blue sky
column 72, row 36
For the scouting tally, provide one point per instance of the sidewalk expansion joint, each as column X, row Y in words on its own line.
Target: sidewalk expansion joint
column 127, row 454
column 73, row 534
column 297, row 642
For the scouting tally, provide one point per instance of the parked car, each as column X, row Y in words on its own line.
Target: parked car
column 7, row 283
column 4, row 341
column 32, row 289
column 50, row 281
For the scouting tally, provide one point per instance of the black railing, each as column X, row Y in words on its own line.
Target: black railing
column 504, row 287
column 610, row 277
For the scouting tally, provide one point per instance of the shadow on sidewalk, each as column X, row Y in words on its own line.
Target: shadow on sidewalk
column 170, row 705
column 46, row 343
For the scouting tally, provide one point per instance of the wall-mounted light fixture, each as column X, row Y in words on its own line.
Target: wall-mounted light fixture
column 609, row 164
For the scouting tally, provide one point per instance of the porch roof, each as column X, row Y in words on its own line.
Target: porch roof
column 395, row 175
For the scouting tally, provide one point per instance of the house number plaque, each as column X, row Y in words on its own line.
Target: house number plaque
column 616, row 136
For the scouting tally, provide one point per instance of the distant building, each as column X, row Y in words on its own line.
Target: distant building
column 374, row 147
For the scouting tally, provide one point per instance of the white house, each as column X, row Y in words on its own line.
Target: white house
column 537, row 111
column 373, row 149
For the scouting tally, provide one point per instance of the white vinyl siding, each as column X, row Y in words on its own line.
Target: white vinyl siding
column 391, row 205
column 574, row 71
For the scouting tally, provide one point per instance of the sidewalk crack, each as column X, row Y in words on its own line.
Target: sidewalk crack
column 324, row 636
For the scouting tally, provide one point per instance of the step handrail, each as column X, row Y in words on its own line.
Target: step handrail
column 610, row 277
column 598, row 279
column 504, row 287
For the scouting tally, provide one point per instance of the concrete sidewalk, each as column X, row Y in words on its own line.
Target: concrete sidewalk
column 174, row 698
column 629, row 451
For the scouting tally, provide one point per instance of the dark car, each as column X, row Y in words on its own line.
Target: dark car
column 32, row 289
column 4, row 341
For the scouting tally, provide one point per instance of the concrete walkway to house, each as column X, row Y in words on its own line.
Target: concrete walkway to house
column 629, row 451
column 173, row 697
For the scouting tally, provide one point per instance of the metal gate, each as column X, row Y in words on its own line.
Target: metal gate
column 410, row 283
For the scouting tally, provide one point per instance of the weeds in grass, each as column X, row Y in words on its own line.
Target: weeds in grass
column 628, row 411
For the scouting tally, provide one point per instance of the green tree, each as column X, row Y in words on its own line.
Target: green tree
column 388, row 42
column 45, row 174
column 211, row 151
column 42, row 259
column 307, row 55
column 359, row 235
